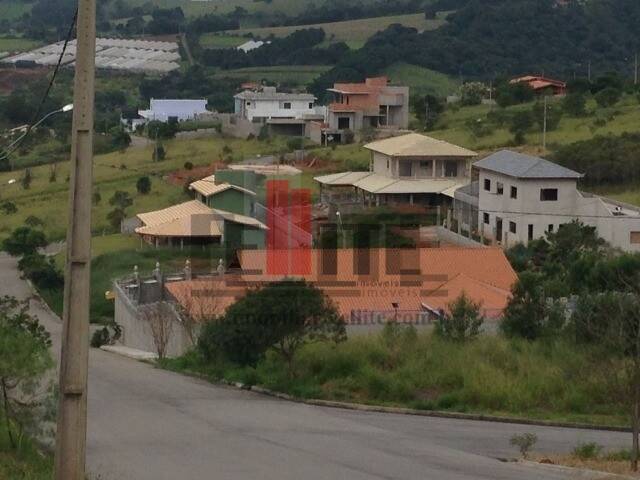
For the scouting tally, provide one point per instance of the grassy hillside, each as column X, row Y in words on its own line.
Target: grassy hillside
column 422, row 80
column 13, row 44
column 353, row 32
column 298, row 75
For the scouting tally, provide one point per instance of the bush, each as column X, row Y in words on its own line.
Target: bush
column 24, row 241
column 608, row 97
column 9, row 208
column 283, row 316
column 462, row 322
column 116, row 217
column 587, row 451
column 524, row 442
column 188, row 166
column 295, row 143
column 529, row 315
column 143, row 185
column 159, row 153
column 42, row 271
column 472, row 93
column 574, row 104
column 33, row 221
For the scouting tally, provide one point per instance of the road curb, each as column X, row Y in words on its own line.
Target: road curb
column 583, row 473
column 432, row 413
column 36, row 295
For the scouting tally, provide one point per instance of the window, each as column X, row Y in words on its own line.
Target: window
column 486, row 218
column 635, row 238
column 548, row 194
column 387, row 164
column 311, row 106
column 487, row 184
column 426, row 165
column 514, row 192
column 405, row 168
column 287, row 105
column 451, row 169
column 344, row 123
column 530, row 235
column 512, row 227
column 550, row 228
column 499, row 188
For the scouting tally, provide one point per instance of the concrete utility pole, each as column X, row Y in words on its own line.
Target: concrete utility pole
column 71, row 436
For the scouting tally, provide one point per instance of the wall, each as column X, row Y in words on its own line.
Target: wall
column 571, row 205
column 275, row 109
column 136, row 332
column 237, row 235
column 233, row 201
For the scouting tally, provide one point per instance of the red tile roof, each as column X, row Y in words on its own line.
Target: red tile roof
column 368, row 280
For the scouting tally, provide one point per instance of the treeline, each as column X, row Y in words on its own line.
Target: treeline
column 299, row 48
column 610, row 160
column 489, row 38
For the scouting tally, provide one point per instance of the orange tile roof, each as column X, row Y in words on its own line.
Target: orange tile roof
column 376, row 279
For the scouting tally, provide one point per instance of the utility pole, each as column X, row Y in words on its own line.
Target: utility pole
column 589, row 71
column 544, row 126
column 71, row 435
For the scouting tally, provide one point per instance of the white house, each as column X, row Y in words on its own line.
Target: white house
column 251, row 45
column 179, row 110
column 518, row 198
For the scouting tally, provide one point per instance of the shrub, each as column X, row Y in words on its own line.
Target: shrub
column 283, row 316
column 188, row 166
column 574, row 104
column 24, row 241
column 159, row 153
column 349, row 136
column 9, row 208
column 33, row 221
column 143, row 185
column 587, row 451
column 42, row 271
column 121, row 199
column 524, row 442
column 608, row 97
column 295, row 143
column 116, row 217
column 26, row 179
column 472, row 93
column 462, row 322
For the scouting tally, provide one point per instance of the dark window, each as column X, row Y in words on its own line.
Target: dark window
column 512, row 227
column 530, row 232
column 344, row 123
column 499, row 188
column 310, row 106
column 426, row 165
column 451, row 169
column 487, row 184
column 548, row 194
column 287, row 105
column 405, row 168
column 550, row 228
column 514, row 192
column 487, row 218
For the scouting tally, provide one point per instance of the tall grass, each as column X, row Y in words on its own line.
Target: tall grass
column 489, row 375
column 27, row 463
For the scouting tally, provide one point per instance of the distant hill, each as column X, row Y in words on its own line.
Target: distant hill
column 491, row 38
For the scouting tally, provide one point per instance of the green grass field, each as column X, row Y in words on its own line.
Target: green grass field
column 422, row 80
column 216, row 40
column 297, row 75
column 15, row 44
column 354, row 32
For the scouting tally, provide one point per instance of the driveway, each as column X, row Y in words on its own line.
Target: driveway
column 149, row 424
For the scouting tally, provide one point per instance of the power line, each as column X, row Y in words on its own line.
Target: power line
column 44, row 98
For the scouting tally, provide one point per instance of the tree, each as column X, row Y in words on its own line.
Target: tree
column 24, row 360
column 24, row 241
column 462, row 322
column 575, row 105
column 120, row 139
column 159, row 319
column 608, row 97
column 143, row 185
column 521, row 123
column 508, row 94
column 610, row 324
column 116, row 217
column 553, row 114
column 427, row 109
column 121, row 200
column 472, row 93
column 529, row 314
column 26, row 179
column 159, row 152
column 283, row 315
column 9, row 208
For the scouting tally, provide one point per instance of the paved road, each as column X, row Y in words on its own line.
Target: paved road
column 148, row 424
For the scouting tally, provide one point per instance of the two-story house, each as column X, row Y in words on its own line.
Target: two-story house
column 518, row 198
column 373, row 103
column 410, row 169
column 285, row 113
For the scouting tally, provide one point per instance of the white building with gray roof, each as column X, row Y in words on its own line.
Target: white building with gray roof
column 519, row 198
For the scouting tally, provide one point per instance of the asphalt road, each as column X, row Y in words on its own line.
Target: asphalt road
column 148, row 424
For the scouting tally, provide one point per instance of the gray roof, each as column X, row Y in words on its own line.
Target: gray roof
column 519, row 165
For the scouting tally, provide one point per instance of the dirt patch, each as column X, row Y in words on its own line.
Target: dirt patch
column 181, row 177
column 12, row 78
column 618, row 467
